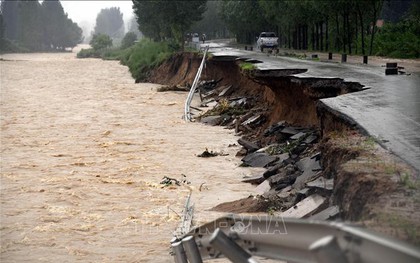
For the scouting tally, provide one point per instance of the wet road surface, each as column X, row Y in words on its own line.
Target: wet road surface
column 388, row 111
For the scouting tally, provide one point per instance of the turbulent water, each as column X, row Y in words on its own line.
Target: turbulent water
column 83, row 151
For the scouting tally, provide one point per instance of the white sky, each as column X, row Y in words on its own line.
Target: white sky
column 84, row 12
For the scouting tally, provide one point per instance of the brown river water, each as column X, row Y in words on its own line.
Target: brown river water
column 83, row 151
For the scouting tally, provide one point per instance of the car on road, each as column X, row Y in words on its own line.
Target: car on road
column 267, row 40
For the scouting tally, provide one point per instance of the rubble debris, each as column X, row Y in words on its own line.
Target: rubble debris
column 321, row 182
column 249, row 146
column 259, row 159
column 212, row 120
column 253, row 120
column 304, row 208
column 256, row 179
column 298, row 136
column 262, row 187
column 226, row 91
column 289, row 131
column 172, row 88
column 327, row 214
column 172, row 181
column 207, row 154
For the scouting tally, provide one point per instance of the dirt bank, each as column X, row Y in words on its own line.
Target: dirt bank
column 366, row 177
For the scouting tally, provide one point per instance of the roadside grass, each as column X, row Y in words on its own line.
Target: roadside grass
column 246, row 66
column 145, row 56
column 140, row 58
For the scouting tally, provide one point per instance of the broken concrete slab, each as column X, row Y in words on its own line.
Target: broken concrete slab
column 226, row 91
column 285, row 192
column 212, row 120
column 304, row 191
column 326, row 214
column 311, row 169
column 275, row 128
column 321, row 182
column 289, row 131
column 310, row 139
column 253, row 120
column 250, row 146
column 280, row 179
column 298, row 136
column 256, row 179
column 272, row 170
column 238, row 102
column 304, row 208
column 259, row 159
column 305, row 177
column 262, row 188
column 309, row 163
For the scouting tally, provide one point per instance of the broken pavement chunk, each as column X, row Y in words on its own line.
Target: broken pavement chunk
column 310, row 139
column 212, row 120
column 259, row 159
column 289, row 131
column 226, row 91
column 250, row 146
column 256, row 179
column 275, row 128
column 329, row 213
column 298, row 136
column 252, row 120
column 263, row 188
column 304, row 208
column 323, row 183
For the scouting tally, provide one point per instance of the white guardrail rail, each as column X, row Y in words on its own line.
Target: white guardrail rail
column 187, row 112
column 239, row 238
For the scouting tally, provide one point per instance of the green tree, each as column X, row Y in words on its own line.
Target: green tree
column 245, row 19
column 10, row 12
column 36, row 26
column 212, row 24
column 100, row 41
column 167, row 19
column 30, row 24
column 128, row 40
column 109, row 21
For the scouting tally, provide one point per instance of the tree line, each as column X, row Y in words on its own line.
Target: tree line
column 349, row 26
column 32, row 26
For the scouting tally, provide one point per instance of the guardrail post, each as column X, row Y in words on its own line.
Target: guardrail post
column 327, row 250
column 191, row 249
column 365, row 59
column 228, row 247
column 330, row 56
column 343, row 58
column 179, row 253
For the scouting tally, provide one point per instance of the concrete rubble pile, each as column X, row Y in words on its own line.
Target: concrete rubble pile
column 293, row 181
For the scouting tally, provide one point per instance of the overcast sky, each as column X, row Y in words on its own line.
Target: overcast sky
column 84, row 12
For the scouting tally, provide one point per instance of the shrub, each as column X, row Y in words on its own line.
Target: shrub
column 128, row 40
column 145, row 56
column 401, row 40
column 88, row 53
column 100, row 41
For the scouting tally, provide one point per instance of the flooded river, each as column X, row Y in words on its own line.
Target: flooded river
column 83, row 151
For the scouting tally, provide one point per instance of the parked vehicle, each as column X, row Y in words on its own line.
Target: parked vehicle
column 267, row 40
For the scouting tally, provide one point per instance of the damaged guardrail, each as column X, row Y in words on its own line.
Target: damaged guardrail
column 239, row 238
column 187, row 112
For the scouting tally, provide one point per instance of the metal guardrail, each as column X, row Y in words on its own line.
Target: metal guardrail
column 294, row 240
column 187, row 112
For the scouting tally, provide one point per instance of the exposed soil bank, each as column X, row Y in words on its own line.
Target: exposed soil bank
column 367, row 178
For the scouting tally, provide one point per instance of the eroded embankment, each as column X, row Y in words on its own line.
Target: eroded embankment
column 370, row 185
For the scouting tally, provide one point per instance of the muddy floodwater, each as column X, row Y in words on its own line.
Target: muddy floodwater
column 83, row 151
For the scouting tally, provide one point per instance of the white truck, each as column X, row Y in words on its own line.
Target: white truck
column 267, row 40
